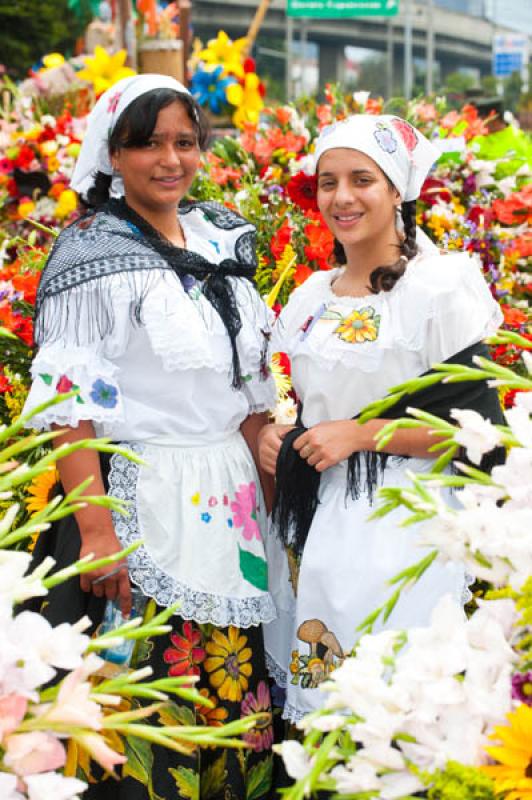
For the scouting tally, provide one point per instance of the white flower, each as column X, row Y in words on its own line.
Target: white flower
column 526, row 355
column 523, row 400
column 51, row 784
column 296, row 759
column 8, row 787
column 14, row 587
column 61, row 647
column 477, row 434
column 516, row 475
column 396, row 785
column 519, row 421
column 361, row 98
column 358, row 776
column 285, row 412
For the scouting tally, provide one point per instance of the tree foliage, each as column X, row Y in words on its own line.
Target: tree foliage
column 31, row 28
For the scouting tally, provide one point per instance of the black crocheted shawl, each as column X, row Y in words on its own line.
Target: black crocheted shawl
column 115, row 239
column 297, row 483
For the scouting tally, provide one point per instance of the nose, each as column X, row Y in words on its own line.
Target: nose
column 343, row 195
column 170, row 155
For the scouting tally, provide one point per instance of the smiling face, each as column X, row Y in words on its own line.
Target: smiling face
column 158, row 174
column 356, row 200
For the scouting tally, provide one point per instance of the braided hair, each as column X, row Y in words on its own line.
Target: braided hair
column 384, row 278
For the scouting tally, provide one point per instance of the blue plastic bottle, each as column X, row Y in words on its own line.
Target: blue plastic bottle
column 113, row 618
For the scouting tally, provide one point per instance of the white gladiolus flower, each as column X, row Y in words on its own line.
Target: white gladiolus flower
column 478, row 435
column 51, row 784
column 296, row 759
column 518, row 419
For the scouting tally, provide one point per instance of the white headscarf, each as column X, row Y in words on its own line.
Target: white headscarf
column 401, row 151
column 94, row 153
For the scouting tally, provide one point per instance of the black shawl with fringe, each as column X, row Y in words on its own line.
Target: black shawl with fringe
column 115, row 239
column 297, row 483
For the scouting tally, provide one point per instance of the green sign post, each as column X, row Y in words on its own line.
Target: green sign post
column 332, row 9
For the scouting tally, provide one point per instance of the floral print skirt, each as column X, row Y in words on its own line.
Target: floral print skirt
column 232, row 675
column 231, row 667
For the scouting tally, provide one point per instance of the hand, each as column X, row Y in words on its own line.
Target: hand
column 270, row 440
column 109, row 582
column 328, row 443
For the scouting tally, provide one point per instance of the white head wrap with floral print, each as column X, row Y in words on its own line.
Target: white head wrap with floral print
column 94, row 153
column 402, row 152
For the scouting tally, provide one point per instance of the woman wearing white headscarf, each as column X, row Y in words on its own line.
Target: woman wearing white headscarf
column 393, row 306
column 147, row 308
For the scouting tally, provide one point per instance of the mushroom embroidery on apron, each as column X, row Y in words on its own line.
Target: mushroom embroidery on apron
column 324, row 654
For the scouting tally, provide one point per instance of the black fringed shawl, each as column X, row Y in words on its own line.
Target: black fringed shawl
column 100, row 245
column 297, row 483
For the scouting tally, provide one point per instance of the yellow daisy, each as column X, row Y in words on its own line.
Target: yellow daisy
column 282, row 380
column 359, row 326
column 513, row 775
column 40, row 490
column 228, row 664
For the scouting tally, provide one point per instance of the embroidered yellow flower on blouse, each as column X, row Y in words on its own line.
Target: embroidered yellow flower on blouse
column 228, row 664
column 360, row 326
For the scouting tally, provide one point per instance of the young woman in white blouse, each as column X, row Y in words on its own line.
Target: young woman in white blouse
column 392, row 307
column 148, row 309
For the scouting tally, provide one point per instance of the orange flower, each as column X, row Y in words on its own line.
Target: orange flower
column 513, row 317
column 26, row 282
column 320, row 241
column 301, row 274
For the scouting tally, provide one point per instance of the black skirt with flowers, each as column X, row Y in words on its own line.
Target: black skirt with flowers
column 232, row 674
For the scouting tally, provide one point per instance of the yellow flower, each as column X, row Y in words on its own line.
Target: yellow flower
column 222, row 51
column 294, row 664
column 40, row 490
column 53, row 164
column 51, row 61
column 513, row 776
column 48, row 148
column 104, row 70
column 25, row 208
column 283, row 384
column 359, row 326
column 66, row 204
column 228, row 664
column 247, row 99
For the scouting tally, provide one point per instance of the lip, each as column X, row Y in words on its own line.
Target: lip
column 169, row 180
column 347, row 220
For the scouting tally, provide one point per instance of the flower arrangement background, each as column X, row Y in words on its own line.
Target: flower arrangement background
column 426, row 729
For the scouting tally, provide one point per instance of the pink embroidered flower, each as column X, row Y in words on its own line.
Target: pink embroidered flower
column 113, row 102
column 64, row 385
column 261, row 737
column 244, row 508
column 407, row 133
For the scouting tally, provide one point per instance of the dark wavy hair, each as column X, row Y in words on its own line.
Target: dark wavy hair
column 384, row 278
column 134, row 129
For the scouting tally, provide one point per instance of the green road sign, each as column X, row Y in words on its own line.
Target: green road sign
column 342, row 8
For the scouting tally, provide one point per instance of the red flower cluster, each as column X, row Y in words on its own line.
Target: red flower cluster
column 301, row 189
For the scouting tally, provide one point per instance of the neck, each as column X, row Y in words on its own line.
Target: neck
column 363, row 258
column 166, row 222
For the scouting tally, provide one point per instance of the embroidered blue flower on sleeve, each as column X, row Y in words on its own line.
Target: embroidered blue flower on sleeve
column 104, row 394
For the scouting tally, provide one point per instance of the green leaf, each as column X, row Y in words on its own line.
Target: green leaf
column 259, row 779
column 139, row 763
column 187, row 782
column 213, row 778
column 46, row 378
column 254, row 569
column 173, row 714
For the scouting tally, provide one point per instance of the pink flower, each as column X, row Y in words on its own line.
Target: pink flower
column 261, row 737
column 64, row 385
column 113, row 102
column 96, row 746
column 244, row 508
column 73, row 704
column 28, row 753
column 12, row 710
column 406, row 132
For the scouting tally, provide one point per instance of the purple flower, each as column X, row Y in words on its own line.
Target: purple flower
column 104, row 394
column 522, row 687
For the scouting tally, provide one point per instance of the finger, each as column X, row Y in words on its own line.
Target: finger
column 124, row 593
column 85, row 584
column 314, row 458
column 301, row 441
column 98, row 589
column 282, row 433
column 111, row 589
column 322, row 465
